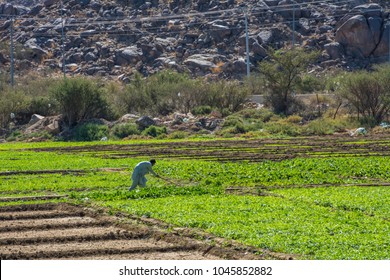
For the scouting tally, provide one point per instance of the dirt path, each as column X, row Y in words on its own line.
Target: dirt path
column 62, row 231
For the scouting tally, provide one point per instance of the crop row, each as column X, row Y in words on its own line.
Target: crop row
column 301, row 216
column 304, row 229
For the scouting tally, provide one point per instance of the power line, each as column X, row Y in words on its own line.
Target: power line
column 280, row 8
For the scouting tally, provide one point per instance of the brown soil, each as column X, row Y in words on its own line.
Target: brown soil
column 62, row 231
column 236, row 150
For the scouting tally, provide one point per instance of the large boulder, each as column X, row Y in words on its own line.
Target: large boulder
column 357, row 37
column 127, row 56
column 36, row 52
column 49, row 124
column 204, row 62
column 382, row 50
column 334, row 50
column 144, row 122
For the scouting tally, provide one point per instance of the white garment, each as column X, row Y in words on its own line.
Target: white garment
column 140, row 170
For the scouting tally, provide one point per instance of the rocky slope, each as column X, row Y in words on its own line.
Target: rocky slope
column 115, row 38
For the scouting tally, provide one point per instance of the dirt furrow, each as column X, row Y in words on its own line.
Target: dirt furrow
column 79, row 249
column 30, row 198
column 47, row 224
column 71, row 238
column 57, row 232
column 29, row 207
column 176, row 255
column 36, row 215
column 38, row 222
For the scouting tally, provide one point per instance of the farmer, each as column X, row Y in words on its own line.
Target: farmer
column 140, row 170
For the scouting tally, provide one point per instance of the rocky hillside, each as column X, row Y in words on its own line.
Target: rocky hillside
column 115, row 38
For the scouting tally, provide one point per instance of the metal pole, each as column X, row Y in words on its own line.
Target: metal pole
column 247, row 44
column 12, row 51
column 293, row 33
column 388, row 26
column 63, row 42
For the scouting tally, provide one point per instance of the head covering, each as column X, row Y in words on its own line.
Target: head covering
column 153, row 161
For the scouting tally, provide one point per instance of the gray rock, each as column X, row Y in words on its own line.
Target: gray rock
column 334, row 50
column 49, row 3
column 6, row 25
column 90, row 56
column 128, row 117
column 369, row 10
column 288, row 9
column 36, row 51
column 265, row 37
column 144, row 122
column 75, row 57
column 3, row 59
column 382, row 50
column 35, row 118
column 375, row 24
column 127, row 56
column 203, row 62
column 258, row 50
column 356, row 37
column 49, row 124
column 36, row 10
column 239, row 66
column 219, row 32
column 7, row 9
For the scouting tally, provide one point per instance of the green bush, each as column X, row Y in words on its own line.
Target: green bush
column 90, row 132
column 324, row 126
column 263, row 114
column 17, row 135
column 178, row 135
column 202, row 110
column 42, row 105
column 125, row 129
column 167, row 91
column 318, row 127
column 233, row 120
column 154, row 131
column 79, row 99
column 11, row 101
column 282, row 128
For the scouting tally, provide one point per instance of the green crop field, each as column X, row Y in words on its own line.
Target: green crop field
column 310, row 198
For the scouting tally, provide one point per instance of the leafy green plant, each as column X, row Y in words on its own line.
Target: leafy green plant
column 90, row 132
column 201, row 110
column 282, row 128
column 125, row 129
column 154, row 131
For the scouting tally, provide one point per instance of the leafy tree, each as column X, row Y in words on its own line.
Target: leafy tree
column 283, row 71
column 368, row 93
column 79, row 99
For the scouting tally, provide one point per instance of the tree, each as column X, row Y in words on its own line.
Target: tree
column 368, row 93
column 79, row 99
column 283, row 71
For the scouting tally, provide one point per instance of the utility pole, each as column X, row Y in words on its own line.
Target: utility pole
column 293, row 23
column 247, row 43
column 388, row 27
column 63, row 41
column 12, row 51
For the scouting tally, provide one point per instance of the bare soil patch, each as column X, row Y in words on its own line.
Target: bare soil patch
column 63, row 231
